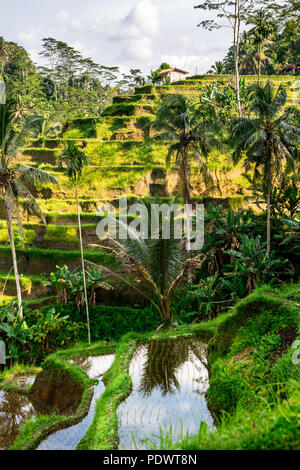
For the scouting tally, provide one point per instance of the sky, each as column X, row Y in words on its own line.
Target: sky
column 127, row 33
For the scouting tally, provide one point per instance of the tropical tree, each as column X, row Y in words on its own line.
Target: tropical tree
column 5, row 53
column 155, row 264
column 261, row 35
column 17, row 179
column 231, row 14
column 253, row 264
column 217, row 68
column 267, row 139
column 75, row 160
column 188, row 129
column 50, row 129
column 153, row 77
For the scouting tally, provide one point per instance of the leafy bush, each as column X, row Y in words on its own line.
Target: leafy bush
column 69, row 286
column 61, row 234
column 114, row 322
column 36, row 335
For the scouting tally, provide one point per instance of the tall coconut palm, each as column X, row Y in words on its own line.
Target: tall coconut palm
column 267, row 139
column 261, row 35
column 75, row 160
column 188, row 128
column 17, row 179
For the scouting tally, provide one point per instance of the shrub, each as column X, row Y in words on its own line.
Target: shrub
column 114, row 322
column 36, row 335
column 61, row 234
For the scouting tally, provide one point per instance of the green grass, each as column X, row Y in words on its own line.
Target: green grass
column 119, row 152
column 26, row 281
column 127, row 109
column 29, row 235
column 254, row 388
column 60, row 257
column 103, row 433
column 61, row 233
column 81, row 128
column 95, row 181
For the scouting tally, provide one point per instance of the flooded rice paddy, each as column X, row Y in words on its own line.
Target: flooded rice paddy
column 17, row 408
column 170, row 380
column 169, row 377
column 68, row 439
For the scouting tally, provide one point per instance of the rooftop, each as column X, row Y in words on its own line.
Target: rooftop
column 166, row 71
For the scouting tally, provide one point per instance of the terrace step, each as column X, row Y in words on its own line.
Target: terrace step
column 37, row 261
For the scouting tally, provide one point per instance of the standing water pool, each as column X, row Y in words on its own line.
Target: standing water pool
column 15, row 410
column 170, row 379
column 68, row 439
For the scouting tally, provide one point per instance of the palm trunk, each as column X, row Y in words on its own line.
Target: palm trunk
column 13, row 253
column 236, row 45
column 268, row 176
column 82, row 265
column 186, row 182
column 186, row 195
column 186, row 199
column 259, row 64
column 237, row 82
column 269, row 219
column 165, row 312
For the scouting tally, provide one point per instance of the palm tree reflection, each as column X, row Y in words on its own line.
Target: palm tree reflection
column 15, row 409
column 163, row 361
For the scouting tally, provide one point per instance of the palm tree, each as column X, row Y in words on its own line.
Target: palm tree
column 267, row 140
column 50, row 129
column 75, row 160
column 190, row 127
column 16, row 179
column 217, row 68
column 6, row 51
column 155, row 266
column 261, row 33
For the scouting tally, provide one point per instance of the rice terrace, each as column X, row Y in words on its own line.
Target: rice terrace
column 150, row 228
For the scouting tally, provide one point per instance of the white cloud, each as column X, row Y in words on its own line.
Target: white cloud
column 83, row 48
column 76, row 24
column 143, row 19
column 128, row 33
column 138, row 29
column 29, row 38
column 140, row 49
column 134, row 32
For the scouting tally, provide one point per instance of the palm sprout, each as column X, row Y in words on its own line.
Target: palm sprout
column 268, row 140
column 17, row 179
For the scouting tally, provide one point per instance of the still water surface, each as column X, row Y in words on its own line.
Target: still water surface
column 170, row 380
column 68, row 439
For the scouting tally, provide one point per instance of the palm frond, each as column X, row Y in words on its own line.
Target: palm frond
column 31, row 203
column 31, row 175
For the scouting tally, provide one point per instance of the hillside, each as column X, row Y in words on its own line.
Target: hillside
column 121, row 162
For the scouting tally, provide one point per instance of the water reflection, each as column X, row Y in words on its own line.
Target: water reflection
column 170, row 380
column 15, row 409
column 68, row 439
